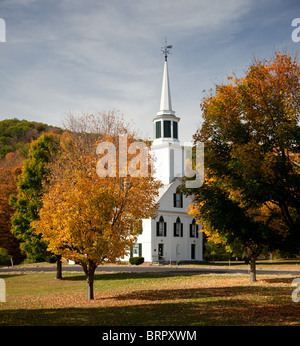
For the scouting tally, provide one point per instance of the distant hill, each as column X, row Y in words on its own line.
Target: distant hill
column 17, row 134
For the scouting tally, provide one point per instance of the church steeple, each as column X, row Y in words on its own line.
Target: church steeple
column 165, row 122
column 165, row 99
column 169, row 154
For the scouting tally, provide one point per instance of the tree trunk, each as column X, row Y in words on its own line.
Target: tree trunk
column 58, row 267
column 89, row 270
column 90, row 286
column 252, row 269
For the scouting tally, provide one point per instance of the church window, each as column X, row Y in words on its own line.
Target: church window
column 161, row 228
column 177, row 200
column 175, row 129
column 167, row 128
column 194, row 229
column 136, row 250
column 158, row 129
column 178, row 228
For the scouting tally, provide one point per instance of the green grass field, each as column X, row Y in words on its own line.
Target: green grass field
column 148, row 299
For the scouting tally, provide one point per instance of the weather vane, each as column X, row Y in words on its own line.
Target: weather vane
column 166, row 49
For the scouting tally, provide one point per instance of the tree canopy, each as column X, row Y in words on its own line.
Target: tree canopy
column 251, row 133
column 88, row 218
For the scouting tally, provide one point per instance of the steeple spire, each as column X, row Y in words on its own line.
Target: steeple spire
column 165, row 99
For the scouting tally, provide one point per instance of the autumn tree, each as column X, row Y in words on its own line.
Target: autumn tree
column 28, row 199
column 10, row 168
column 7, row 188
column 87, row 216
column 251, row 133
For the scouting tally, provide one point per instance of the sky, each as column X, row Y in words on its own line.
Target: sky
column 86, row 56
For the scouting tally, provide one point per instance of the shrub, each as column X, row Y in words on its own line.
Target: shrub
column 4, row 257
column 50, row 259
column 136, row 260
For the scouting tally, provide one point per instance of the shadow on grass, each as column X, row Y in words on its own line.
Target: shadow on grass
column 279, row 280
column 6, row 276
column 212, row 313
column 190, row 293
column 203, row 293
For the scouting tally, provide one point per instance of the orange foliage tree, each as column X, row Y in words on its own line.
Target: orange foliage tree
column 89, row 218
column 9, row 170
column 7, row 188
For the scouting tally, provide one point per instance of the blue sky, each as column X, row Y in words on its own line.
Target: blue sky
column 79, row 56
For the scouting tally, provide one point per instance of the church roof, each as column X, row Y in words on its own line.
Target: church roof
column 166, row 187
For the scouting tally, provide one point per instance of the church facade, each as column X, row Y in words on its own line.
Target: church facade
column 173, row 235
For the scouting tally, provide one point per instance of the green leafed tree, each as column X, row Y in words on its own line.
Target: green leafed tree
column 28, row 200
column 251, row 133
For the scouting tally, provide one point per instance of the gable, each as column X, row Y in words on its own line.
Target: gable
column 166, row 198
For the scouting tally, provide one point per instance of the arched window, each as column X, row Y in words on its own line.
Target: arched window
column 178, row 228
column 161, row 227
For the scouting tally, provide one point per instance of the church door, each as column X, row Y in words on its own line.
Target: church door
column 160, row 252
column 193, row 250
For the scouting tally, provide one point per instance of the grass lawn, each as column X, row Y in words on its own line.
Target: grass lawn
column 148, row 299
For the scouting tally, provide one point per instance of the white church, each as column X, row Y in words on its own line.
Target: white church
column 174, row 235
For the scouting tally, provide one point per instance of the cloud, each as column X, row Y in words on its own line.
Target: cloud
column 100, row 55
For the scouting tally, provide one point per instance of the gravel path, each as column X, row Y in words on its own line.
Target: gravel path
column 166, row 269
